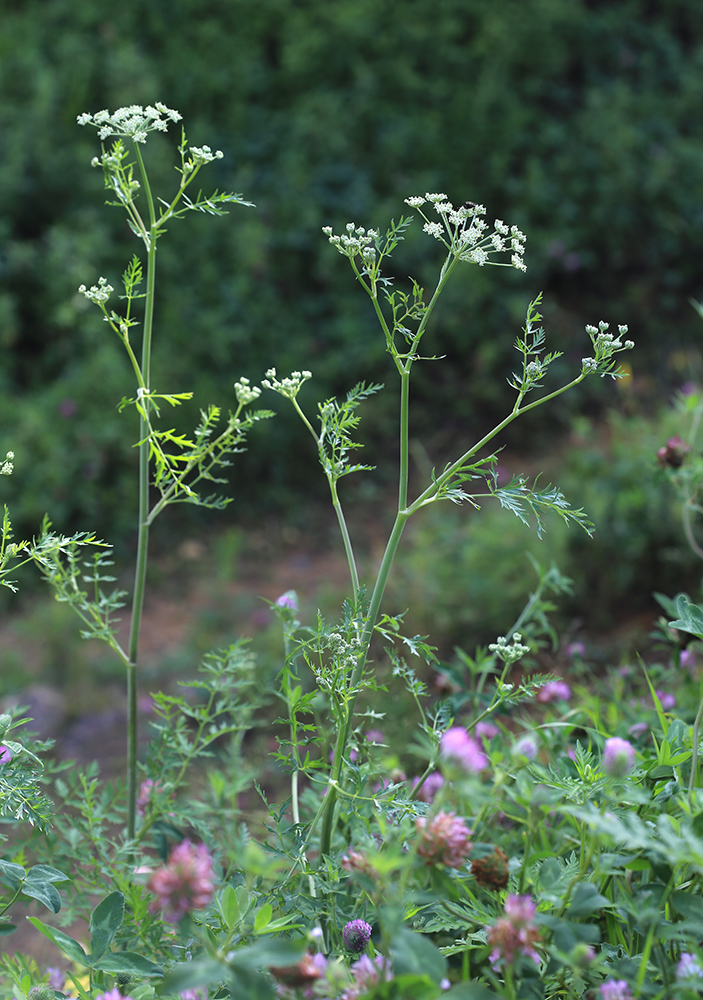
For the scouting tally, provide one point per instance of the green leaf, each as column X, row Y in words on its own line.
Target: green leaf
column 128, row 962
column 229, row 906
column 12, row 873
column 690, row 617
column 45, row 873
column 415, row 953
column 586, row 900
column 263, row 918
column 6, row 928
column 45, row 892
column 267, row 952
column 62, row 941
column 469, row 991
column 105, row 920
column 190, row 975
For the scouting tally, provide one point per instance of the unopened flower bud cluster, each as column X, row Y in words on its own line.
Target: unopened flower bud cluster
column 289, row 387
column 605, row 344
column 507, row 652
column 466, row 234
column 8, row 465
column 345, row 652
column 203, row 154
column 97, row 293
column 133, row 122
column 356, row 242
column 246, row 393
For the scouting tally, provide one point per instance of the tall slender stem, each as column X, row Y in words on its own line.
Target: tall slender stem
column 143, row 524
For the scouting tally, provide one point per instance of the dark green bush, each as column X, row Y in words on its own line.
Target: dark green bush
column 580, row 122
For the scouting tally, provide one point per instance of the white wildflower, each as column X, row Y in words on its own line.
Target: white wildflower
column 133, row 122
column 97, row 293
column 246, row 393
column 289, row 387
column 203, row 154
column 434, row 229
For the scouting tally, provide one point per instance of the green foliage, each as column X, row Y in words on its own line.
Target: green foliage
column 594, row 149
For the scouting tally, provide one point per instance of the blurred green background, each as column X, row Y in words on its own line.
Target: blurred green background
column 578, row 121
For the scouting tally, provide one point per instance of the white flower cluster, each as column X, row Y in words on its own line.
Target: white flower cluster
column 203, row 154
column 509, row 653
column 465, row 233
column 246, row 393
column 289, row 387
column 604, row 341
column 605, row 344
column 98, row 293
column 8, row 465
column 133, row 122
column 356, row 242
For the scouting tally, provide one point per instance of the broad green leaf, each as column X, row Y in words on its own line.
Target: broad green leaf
column 586, row 900
column 190, row 975
column 128, row 962
column 45, row 892
column 105, row 920
column 62, row 941
column 267, row 952
column 45, row 873
column 415, row 953
column 12, row 873
column 690, row 617
column 7, row 928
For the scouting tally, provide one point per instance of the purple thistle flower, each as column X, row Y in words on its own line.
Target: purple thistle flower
column 444, row 839
column 112, row 995
column 615, row 989
column 666, row 700
column 688, row 967
column 457, row 747
column 430, row 786
column 356, row 934
column 185, row 883
column 618, row 757
column 288, row 600
column 376, row 736
column 687, row 660
column 514, row 934
column 554, row 691
column 5, row 754
column 487, row 729
column 526, row 746
column 146, row 790
column 367, row 973
column 57, row 978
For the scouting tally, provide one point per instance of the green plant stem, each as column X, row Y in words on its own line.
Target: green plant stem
column 346, row 539
column 344, row 730
column 143, row 525
column 430, row 494
column 694, row 754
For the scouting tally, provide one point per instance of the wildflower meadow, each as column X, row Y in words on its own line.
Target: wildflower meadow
column 523, row 834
